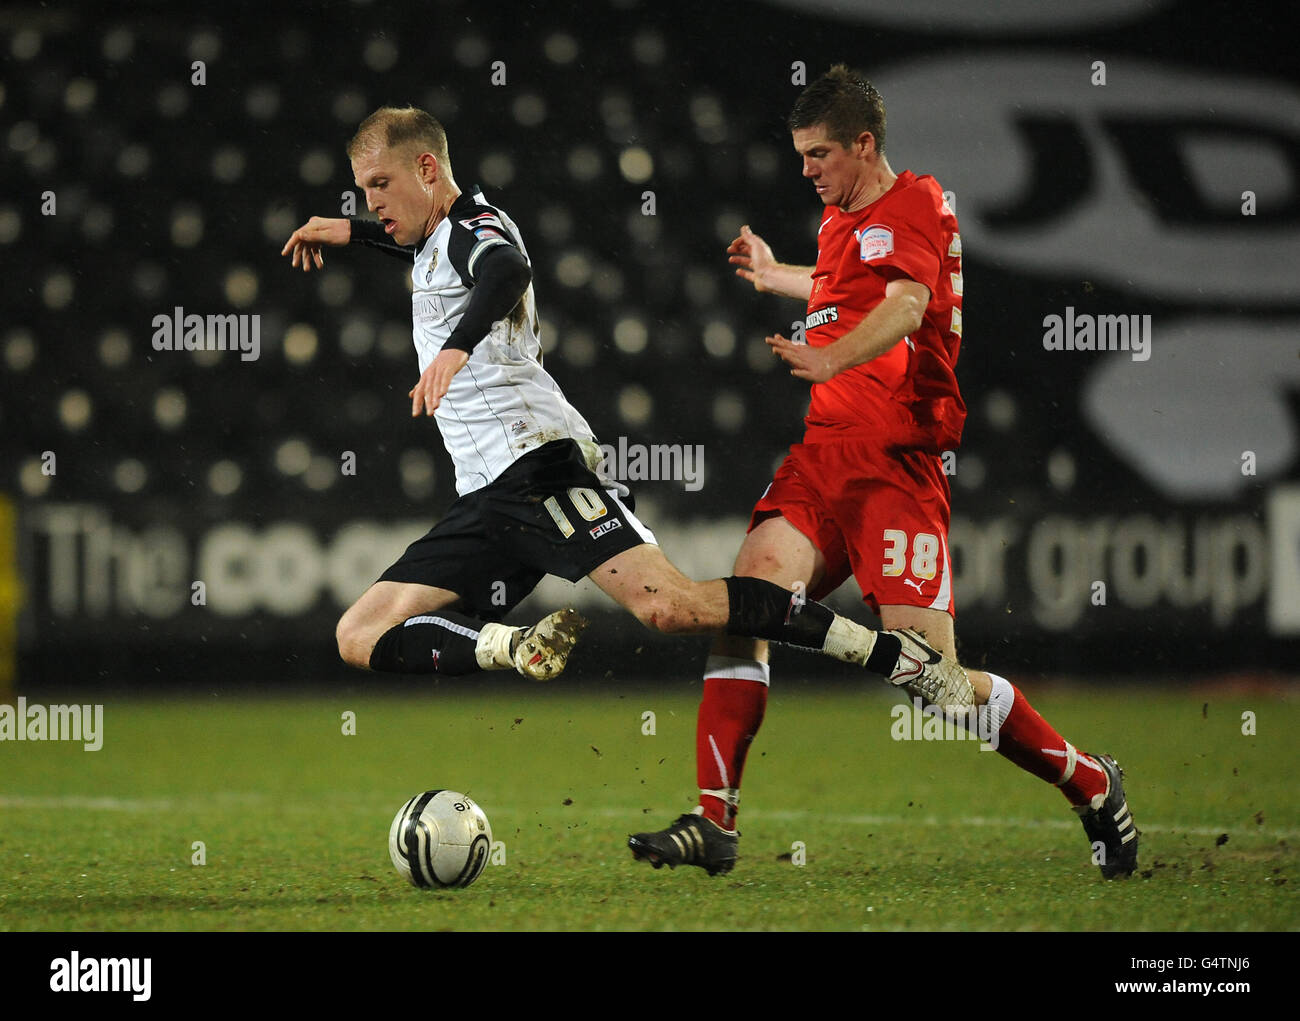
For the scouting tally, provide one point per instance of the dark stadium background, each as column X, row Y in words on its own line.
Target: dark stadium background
column 1115, row 199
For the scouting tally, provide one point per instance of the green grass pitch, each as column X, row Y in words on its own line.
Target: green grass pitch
column 293, row 816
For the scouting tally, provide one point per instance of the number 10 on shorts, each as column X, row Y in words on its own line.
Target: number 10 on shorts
column 586, row 502
column 925, row 553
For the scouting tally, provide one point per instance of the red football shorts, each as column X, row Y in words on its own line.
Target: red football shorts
column 881, row 517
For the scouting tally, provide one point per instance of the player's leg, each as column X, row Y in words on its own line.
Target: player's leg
column 436, row 609
column 581, row 531
column 735, row 689
column 405, row 627
column 644, row 581
column 1005, row 719
column 731, row 710
column 549, row 512
column 936, row 628
column 382, row 607
column 899, row 550
column 736, row 673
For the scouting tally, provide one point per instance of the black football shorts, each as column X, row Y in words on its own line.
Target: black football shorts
column 545, row 514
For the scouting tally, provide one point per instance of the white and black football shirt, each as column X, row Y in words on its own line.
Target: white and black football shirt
column 502, row 404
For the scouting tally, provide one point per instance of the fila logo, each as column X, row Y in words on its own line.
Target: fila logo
column 605, row 526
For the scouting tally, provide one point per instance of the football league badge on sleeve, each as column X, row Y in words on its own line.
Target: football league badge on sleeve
column 875, row 242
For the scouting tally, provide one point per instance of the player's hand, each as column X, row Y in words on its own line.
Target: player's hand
column 752, row 257
column 814, row 364
column 305, row 243
column 428, row 393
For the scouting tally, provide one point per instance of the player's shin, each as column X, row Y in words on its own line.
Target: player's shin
column 446, row 642
column 761, row 609
column 731, row 712
column 1020, row 734
column 443, row 642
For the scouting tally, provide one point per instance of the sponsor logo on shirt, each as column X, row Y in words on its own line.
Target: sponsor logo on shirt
column 427, row 309
column 875, row 242
column 829, row 314
column 605, row 526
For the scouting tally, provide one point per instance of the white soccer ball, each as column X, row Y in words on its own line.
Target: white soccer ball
column 440, row 839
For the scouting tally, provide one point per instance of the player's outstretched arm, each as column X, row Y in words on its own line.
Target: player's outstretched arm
column 305, row 243
column 754, row 262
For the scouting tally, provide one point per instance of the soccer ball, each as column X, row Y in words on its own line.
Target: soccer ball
column 439, row 839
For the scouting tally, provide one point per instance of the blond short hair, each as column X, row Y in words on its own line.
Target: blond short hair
column 392, row 127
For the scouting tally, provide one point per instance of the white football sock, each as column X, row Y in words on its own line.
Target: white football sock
column 495, row 647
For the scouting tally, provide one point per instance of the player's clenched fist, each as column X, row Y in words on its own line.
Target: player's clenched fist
column 305, row 243
column 428, row 393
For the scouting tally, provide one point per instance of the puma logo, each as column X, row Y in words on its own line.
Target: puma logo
column 914, row 584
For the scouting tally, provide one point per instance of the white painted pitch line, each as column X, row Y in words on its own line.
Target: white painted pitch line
column 84, row 803
column 107, row 804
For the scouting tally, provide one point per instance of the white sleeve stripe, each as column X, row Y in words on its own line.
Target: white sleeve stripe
column 479, row 249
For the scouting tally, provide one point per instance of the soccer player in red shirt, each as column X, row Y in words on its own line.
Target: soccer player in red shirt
column 865, row 492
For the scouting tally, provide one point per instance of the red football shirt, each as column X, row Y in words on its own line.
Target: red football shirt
column 907, row 396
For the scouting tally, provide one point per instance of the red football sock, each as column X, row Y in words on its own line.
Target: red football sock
column 731, row 712
column 1029, row 741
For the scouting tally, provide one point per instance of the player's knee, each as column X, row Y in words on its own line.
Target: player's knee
column 757, row 564
column 354, row 643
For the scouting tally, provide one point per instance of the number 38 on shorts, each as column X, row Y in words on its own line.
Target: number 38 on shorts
column 925, row 552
